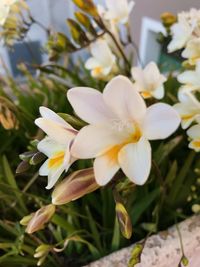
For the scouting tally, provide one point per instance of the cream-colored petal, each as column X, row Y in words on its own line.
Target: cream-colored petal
column 160, row 122
column 54, row 176
column 189, row 77
column 102, row 53
column 92, row 63
column 44, row 169
column 138, row 76
column 89, row 105
column 51, row 115
column 93, row 141
column 135, row 161
column 105, row 167
column 194, row 132
column 192, row 51
column 159, row 92
column 55, row 131
column 121, row 96
column 49, row 146
column 195, row 144
column 181, row 33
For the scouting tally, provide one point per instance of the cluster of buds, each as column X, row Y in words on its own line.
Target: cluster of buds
column 13, row 16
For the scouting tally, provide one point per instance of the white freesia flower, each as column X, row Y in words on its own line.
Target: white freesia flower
column 103, row 61
column 194, row 135
column 186, row 28
column 119, row 10
column 5, row 6
column 149, row 82
column 188, row 109
column 192, row 51
column 190, row 79
column 119, row 130
column 56, row 146
column 181, row 33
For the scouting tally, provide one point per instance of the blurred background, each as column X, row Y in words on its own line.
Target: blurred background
column 145, row 26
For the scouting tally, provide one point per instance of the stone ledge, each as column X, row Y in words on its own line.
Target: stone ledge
column 162, row 250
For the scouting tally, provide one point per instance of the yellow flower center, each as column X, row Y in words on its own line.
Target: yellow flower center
column 196, row 143
column 134, row 137
column 146, row 94
column 97, row 70
column 56, row 160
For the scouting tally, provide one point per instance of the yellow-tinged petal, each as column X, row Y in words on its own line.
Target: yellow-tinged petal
column 135, row 161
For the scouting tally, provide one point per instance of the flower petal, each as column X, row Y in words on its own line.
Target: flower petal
column 121, row 96
column 135, row 161
column 105, row 167
column 161, row 121
column 91, row 63
column 55, row 131
column 159, row 92
column 102, row 53
column 49, row 147
column 93, row 141
column 194, row 132
column 44, row 169
column 189, row 77
column 89, row 105
column 50, row 115
column 54, row 176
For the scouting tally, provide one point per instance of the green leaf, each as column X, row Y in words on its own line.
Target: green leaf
column 116, row 236
column 142, row 204
column 11, row 181
column 179, row 181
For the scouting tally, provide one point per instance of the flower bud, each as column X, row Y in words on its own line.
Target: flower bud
column 184, row 261
column 26, row 219
column 168, row 19
column 87, row 6
column 41, row 253
column 22, row 167
column 74, row 186
column 135, row 255
column 39, row 218
column 42, row 250
column 124, row 220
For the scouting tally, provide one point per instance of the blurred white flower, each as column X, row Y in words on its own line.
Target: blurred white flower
column 194, row 135
column 119, row 130
column 5, row 6
column 56, row 146
column 119, row 10
column 103, row 61
column 192, row 51
column 188, row 109
column 186, row 28
column 149, row 82
column 190, row 79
